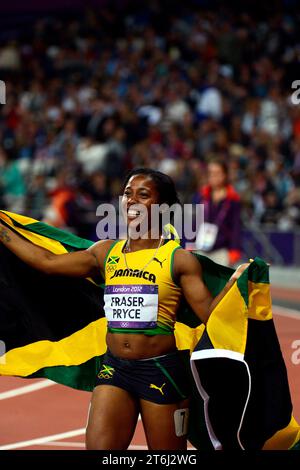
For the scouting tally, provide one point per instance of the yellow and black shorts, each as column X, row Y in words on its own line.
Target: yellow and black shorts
column 163, row 379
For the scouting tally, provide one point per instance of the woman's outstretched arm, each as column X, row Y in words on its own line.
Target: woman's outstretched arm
column 77, row 264
column 188, row 271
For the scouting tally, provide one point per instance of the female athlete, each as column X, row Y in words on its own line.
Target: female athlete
column 142, row 371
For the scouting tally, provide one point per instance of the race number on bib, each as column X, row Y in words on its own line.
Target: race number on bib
column 131, row 306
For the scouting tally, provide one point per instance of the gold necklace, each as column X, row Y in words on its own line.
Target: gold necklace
column 151, row 259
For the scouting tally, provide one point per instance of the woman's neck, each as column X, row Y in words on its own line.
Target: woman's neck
column 142, row 243
column 218, row 194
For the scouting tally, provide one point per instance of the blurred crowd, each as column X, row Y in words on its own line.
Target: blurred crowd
column 90, row 96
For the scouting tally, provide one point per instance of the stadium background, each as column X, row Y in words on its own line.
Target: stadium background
column 94, row 89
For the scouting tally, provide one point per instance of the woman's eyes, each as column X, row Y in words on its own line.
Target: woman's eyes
column 143, row 195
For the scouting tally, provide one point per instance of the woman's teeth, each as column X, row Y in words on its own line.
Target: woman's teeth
column 133, row 213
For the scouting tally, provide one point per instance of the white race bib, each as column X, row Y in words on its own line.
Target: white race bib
column 206, row 236
column 131, row 306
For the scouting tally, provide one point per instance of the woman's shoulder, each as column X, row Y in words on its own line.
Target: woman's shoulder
column 232, row 194
column 184, row 260
column 103, row 244
column 102, row 248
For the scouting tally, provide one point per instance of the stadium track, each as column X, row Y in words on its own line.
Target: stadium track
column 39, row 414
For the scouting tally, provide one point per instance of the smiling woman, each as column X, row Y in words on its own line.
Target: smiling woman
column 145, row 278
column 147, row 195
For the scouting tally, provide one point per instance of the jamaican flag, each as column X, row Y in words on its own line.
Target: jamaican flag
column 240, row 372
column 54, row 327
column 50, row 326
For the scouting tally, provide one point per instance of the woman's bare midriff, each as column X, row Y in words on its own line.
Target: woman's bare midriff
column 139, row 346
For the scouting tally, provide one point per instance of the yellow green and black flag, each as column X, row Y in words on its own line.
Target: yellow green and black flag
column 51, row 326
column 54, row 327
column 240, row 372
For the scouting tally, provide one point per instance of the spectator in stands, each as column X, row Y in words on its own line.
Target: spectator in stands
column 12, row 184
column 219, row 236
column 118, row 90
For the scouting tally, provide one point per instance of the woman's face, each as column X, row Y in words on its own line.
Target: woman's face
column 139, row 194
column 216, row 176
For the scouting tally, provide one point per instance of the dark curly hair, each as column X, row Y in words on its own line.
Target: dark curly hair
column 164, row 184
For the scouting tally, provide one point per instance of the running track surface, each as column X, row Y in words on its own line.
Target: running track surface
column 38, row 414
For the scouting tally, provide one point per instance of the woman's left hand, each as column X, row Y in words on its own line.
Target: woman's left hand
column 239, row 270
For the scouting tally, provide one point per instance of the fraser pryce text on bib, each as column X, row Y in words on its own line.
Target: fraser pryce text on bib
column 131, row 306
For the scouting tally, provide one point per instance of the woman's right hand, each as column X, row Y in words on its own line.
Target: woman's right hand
column 4, row 236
